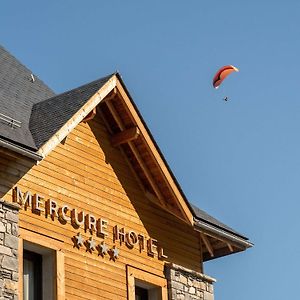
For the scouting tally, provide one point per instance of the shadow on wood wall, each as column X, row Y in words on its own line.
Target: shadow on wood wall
column 175, row 236
column 13, row 168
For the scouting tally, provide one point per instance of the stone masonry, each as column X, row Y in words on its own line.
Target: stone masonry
column 185, row 284
column 9, row 216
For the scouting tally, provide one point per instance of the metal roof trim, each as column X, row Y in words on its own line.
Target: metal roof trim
column 244, row 242
column 20, row 150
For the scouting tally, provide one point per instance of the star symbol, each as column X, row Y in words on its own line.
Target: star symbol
column 91, row 244
column 114, row 253
column 79, row 240
column 103, row 249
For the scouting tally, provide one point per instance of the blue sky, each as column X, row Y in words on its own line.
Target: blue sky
column 238, row 160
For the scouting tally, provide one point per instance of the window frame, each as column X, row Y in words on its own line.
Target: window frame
column 134, row 274
column 46, row 242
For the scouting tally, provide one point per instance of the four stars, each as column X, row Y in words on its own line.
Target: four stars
column 91, row 246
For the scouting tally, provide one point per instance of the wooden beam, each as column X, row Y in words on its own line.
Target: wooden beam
column 125, row 136
column 60, row 275
column 90, row 116
column 138, row 179
column 111, row 95
column 207, row 244
column 148, row 195
column 230, row 247
column 226, row 241
column 115, row 114
column 154, row 199
column 136, row 154
column 147, row 173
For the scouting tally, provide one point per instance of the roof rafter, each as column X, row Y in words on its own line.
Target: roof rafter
column 123, row 153
column 136, row 153
column 207, row 244
column 230, row 247
column 90, row 116
column 125, row 136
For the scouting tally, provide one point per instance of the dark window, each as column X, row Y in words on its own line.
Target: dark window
column 140, row 293
column 32, row 275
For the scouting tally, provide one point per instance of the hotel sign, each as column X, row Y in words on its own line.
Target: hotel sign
column 95, row 226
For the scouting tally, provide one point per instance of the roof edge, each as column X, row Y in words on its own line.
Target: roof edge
column 20, row 150
column 93, row 101
column 236, row 239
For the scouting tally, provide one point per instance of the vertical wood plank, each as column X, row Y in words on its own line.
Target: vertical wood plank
column 60, row 275
column 130, row 285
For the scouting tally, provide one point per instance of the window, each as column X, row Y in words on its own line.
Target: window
column 41, row 268
column 38, row 272
column 146, row 290
column 145, row 286
column 32, row 275
column 141, row 293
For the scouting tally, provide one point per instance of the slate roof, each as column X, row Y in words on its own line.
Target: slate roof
column 201, row 215
column 17, row 96
column 42, row 113
column 50, row 115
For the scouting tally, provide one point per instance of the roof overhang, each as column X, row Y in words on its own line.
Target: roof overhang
column 219, row 242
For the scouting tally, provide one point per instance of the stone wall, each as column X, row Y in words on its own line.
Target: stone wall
column 185, row 284
column 9, row 216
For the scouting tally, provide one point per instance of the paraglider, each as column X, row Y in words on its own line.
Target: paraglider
column 222, row 74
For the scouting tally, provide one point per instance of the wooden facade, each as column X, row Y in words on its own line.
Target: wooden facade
column 89, row 174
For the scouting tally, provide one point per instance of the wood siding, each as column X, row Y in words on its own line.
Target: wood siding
column 88, row 174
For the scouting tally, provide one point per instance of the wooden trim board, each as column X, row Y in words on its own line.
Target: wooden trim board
column 134, row 273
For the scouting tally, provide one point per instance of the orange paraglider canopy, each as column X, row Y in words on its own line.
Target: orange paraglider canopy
column 222, row 74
